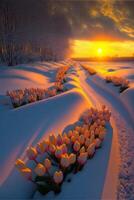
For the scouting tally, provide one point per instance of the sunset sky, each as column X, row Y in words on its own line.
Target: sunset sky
column 78, row 28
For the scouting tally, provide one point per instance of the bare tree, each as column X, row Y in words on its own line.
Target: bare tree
column 7, row 33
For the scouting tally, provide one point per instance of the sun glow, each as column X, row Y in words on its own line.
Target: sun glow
column 98, row 49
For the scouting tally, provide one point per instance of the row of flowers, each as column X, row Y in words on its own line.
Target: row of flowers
column 89, row 69
column 29, row 95
column 53, row 159
column 118, row 81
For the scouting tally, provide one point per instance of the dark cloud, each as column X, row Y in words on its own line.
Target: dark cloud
column 58, row 21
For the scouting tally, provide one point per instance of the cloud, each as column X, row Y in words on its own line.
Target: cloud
column 121, row 12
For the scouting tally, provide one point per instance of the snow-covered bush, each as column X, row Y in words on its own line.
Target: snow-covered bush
column 55, row 158
column 89, row 69
column 118, row 81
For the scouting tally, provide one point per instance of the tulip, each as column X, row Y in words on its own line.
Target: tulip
column 86, row 133
column 73, row 139
column 97, row 142
column 45, row 145
column 91, row 149
column 82, row 130
column 47, row 163
column 70, row 134
column 72, row 158
column 76, row 146
column 52, row 148
column 103, row 122
column 27, row 173
column 40, row 169
column 52, row 139
column 76, row 134
column 58, row 177
column 64, row 148
column 87, row 142
column 82, row 150
column 64, row 160
column 66, row 140
column 58, row 151
column 82, row 158
column 81, row 139
column 102, row 135
column 96, row 131
column 20, row 164
column 40, row 148
column 59, row 140
column 77, row 128
column 92, row 138
column 31, row 153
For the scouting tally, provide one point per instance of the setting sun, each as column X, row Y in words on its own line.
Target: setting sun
column 99, row 51
column 85, row 48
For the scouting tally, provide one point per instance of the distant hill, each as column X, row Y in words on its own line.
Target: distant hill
column 111, row 59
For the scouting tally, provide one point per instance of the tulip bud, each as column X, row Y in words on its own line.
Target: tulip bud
column 45, row 145
column 40, row 169
column 97, row 142
column 82, row 150
column 70, row 133
column 72, row 158
column 82, row 158
column 91, row 149
column 47, row 163
column 52, row 139
column 31, row 153
column 27, row 173
column 96, row 132
column 76, row 134
column 64, row 160
column 59, row 140
column 92, row 138
column 64, row 148
column 40, row 148
column 20, row 164
column 86, row 133
column 52, row 148
column 58, row 177
column 77, row 128
column 66, row 140
column 103, row 122
column 76, row 146
column 58, row 151
column 102, row 134
column 73, row 139
column 81, row 139
column 87, row 142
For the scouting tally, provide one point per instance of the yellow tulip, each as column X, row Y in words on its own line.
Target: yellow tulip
column 76, row 146
column 40, row 169
column 31, row 153
column 72, row 158
column 20, row 164
column 82, row 158
column 27, row 173
column 64, row 160
column 58, row 177
column 47, row 163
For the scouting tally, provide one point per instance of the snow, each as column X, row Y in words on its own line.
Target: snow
column 109, row 174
